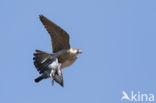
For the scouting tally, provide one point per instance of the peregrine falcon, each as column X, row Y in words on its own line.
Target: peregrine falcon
column 63, row 54
column 60, row 43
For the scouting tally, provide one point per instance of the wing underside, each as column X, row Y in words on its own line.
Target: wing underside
column 59, row 37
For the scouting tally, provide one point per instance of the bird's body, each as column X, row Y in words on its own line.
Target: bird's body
column 60, row 43
column 67, row 57
column 61, row 49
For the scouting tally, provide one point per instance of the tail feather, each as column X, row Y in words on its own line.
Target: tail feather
column 41, row 59
column 38, row 79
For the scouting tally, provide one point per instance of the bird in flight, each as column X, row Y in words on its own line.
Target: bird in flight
column 62, row 52
column 48, row 69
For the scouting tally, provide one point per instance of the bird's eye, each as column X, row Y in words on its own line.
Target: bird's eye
column 79, row 51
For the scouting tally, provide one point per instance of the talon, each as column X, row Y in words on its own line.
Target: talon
column 59, row 68
column 52, row 83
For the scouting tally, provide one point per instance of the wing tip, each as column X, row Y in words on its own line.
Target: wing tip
column 37, row 50
column 41, row 17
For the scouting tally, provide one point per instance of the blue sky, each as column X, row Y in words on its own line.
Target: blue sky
column 117, row 37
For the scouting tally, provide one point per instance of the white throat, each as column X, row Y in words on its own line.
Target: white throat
column 73, row 51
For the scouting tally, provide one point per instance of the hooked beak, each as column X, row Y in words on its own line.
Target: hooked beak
column 80, row 51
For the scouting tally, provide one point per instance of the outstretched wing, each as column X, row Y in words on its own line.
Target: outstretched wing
column 59, row 37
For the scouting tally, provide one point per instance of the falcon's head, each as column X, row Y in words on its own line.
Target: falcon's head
column 75, row 51
column 79, row 51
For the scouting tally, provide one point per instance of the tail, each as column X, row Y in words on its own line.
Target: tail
column 40, row 78
column 41, row 59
